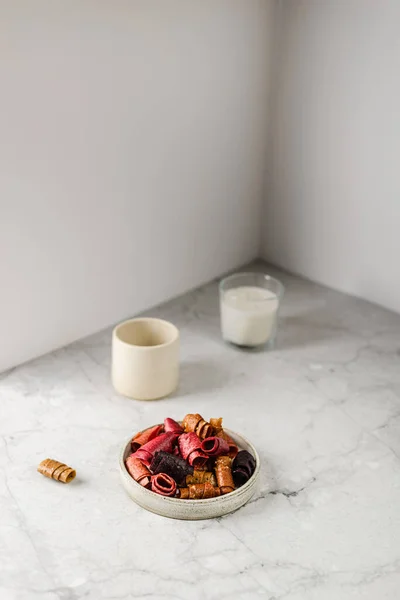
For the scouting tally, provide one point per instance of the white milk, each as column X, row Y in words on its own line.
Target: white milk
column 248, row 315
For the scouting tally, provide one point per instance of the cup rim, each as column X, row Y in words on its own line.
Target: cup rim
column 267, row 277
column 171, row 326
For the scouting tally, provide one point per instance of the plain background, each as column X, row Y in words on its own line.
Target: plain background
column 133, row 153
column 332, row 210
column 132, row 157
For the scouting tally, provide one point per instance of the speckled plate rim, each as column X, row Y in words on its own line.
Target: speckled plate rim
column 220, row 500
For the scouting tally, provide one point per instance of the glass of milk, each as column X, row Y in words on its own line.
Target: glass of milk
column 249, row 304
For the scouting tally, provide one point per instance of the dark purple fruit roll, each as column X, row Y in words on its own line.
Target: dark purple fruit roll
column 172, row 465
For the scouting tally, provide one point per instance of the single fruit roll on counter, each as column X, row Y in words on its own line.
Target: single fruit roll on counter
column 223, row 471
column 138, row 471
column 199, row 491
column 163, row 484
column 56, row 470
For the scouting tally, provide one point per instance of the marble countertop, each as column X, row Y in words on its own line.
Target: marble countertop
column 323, row 409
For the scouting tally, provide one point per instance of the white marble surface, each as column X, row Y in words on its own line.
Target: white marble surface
column 323, row 409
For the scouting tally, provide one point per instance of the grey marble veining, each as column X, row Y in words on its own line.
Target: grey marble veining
column 323, row 409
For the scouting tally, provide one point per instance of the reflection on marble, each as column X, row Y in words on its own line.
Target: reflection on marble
column 323, row 409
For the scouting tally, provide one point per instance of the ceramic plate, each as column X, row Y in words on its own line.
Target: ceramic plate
column 191, row 510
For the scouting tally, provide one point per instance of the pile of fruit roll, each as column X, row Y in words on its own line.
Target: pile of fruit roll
column 193, row 460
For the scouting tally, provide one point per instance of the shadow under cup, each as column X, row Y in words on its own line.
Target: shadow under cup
column 145, row 358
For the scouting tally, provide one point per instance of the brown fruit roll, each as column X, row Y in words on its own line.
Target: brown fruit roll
column 199, row 491
column 223, row 471
column 195, row 423
column 216, row 424
column 67, row 476
column 206, row 467
column 204, row 429
column 201, row 477
column 56, row 470
column 190, row 422
column 219, row 432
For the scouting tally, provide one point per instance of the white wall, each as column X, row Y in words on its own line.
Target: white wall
column 332, row 210
column 132, row 138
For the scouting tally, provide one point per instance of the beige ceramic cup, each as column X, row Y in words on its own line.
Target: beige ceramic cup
column 145, row 358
